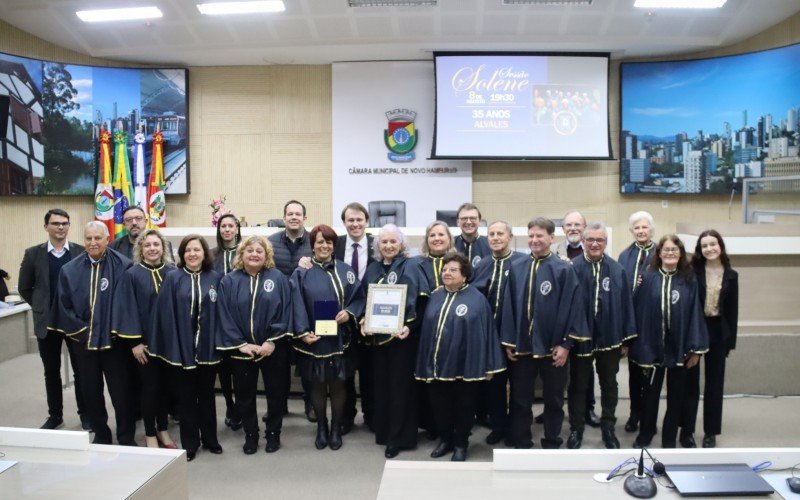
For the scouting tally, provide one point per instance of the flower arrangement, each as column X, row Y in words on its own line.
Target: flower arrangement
column 218, row 209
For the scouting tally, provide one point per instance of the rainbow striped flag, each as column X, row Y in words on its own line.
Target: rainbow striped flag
column 156, row 199
column 123, row 188
column 104, row 193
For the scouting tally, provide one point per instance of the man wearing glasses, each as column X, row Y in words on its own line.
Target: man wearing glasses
column 608, row 302
column 469, row 242
column 135, row 222
column 37, row 285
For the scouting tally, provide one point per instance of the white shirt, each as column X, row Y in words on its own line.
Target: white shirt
column 57, row 253
column 362, row 254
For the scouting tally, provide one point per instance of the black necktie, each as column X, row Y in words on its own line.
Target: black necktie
column 355, row 258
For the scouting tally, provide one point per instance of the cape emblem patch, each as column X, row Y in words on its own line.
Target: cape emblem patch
column 607, row 284
column 103, row 284
column 269, row 286
column 675, row 296
column 212, row 294
column 546, row 288
column 391, row 278
column 351, row 277
column 461, row 310
column 475, row 260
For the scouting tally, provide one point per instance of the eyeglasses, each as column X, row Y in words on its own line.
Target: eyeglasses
column 592, row 241
column 670, row 251
column 59, row 224
column 128, row 220
column 468, row 219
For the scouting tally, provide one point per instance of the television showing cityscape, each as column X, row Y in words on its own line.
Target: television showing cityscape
column 51, row 114
column 700, row 126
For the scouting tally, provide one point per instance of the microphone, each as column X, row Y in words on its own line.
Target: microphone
column 640, row 485
column 658, row 467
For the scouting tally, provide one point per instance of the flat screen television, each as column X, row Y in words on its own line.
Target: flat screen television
column 699, row 126
column 521, row 106
column 52, row 112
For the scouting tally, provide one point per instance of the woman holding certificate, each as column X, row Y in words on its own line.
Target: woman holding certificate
column 458, row 351
column 254, row 318
column 326, row 300
column 395, row 419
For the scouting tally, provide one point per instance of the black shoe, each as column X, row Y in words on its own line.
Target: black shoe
column 442, row 449
column 311, row 415
column 524, row 445
column 235, row 425
column 610, row 440
column 539, row 419
column 85, row 424
column 575, row 440
column 709, row 441
column 639, row 442
column 494, row 437
column 273, row 442
column 250, row 444
column 591, row 419
column 322, row 435
column 346, row 427
column 632, row 425
column 459, row 454
column 128, row 443
column 391, row 451
column 335, row 439
column 190, row 455
column 215, row 448
column 687, row 441
column 53, row 423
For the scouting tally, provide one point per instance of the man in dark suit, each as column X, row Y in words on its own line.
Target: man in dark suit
column 37, row 285
column 355, row 249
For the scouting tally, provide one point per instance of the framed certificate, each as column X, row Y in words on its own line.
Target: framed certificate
column 386, row 309
column 325, row 317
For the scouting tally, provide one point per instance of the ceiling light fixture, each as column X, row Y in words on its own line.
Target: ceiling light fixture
column 679, row 4
column 128, row 14
column 228, row 8
column 392, row 3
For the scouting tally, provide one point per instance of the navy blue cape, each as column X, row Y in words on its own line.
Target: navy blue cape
column 135, row 301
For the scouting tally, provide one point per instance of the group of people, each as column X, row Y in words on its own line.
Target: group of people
column 478, row 317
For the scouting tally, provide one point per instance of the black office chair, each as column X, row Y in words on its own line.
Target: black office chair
column 447, row 216
column 387, row 212
column 276, row 223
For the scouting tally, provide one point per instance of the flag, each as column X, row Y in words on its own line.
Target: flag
column 123, row 190
column 139, row 181
column 104, row 193
column 156, row 200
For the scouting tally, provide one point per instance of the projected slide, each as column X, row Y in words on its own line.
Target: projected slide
column 520, row 106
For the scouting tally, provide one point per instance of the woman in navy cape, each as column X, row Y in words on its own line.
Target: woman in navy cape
column 672, row 336
column 183, row 333
column 136, row 293
column 459, row 350
column 254, row 307
column 396, row 408
column 330, row 289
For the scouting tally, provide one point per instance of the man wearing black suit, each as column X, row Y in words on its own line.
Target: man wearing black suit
column 355, row 249
column 37, row 285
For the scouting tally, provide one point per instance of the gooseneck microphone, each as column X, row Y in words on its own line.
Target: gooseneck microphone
column 658, row 467
column 640, row 485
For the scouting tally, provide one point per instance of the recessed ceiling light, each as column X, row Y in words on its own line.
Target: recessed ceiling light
column 391, row 3
column 679, row 4
column 128, row 14
column 227, row 8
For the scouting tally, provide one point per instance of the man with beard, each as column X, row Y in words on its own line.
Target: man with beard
column 135, row 221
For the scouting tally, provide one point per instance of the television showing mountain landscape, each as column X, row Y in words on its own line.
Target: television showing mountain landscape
column 700, row 126
column 51, row 114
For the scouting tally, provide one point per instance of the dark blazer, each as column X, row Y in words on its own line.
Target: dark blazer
column 341, row 241
column 728, row 303
column 34, row 283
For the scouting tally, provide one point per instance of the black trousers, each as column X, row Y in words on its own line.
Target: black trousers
column 50, row 352
column 554, row 379
column 113, row 365
column 453, row 406
column 636, row 385
column 715, row 378
column 245, row 382
column 682, row 400
column 197, row 408
column 606, row 363
column 155, row 395
column 225, row 375
column 495, row 394
column 365, row 385
column 396, row 412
